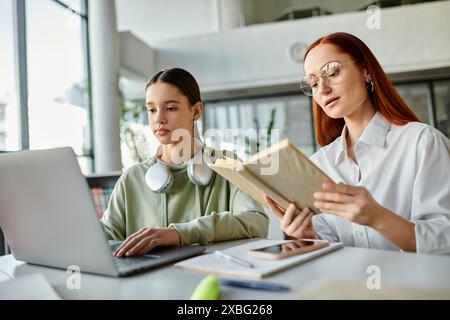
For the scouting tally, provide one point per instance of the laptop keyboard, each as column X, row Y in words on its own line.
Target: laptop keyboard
column 127, row 261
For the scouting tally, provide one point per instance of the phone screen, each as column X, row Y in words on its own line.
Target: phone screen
column 288, row 246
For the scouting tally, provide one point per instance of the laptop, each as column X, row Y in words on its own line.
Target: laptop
column 48, row 217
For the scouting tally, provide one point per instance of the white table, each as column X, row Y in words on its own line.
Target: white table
column 426, row 272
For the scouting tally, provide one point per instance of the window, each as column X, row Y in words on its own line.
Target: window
column 416, row 96
column 289, row 114
column 137, row 141
column 430, row 101
column 9, row 122
column 442, row 99
column 57, row 82
column 75, row 5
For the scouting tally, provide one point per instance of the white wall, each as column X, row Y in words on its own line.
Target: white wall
column 137, row 64
column 414, row 37
column 153, row 20
column 137, row 59
column 156, row 20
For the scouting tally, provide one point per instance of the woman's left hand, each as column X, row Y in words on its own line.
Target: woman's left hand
column 146, row 239
column 352, row 203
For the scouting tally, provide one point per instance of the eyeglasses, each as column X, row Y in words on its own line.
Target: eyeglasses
column 331, row 73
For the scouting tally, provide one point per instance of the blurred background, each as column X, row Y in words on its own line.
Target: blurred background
column 72, row 72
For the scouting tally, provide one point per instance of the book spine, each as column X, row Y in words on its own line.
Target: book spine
column 101, row 198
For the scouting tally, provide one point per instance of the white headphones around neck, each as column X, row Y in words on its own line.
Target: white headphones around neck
column 159, row 177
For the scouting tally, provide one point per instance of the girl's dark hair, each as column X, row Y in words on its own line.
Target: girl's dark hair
column 181, row 79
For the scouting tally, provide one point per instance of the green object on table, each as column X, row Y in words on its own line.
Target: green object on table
column 207, row 289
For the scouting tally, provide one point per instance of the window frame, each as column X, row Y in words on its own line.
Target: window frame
column 20, row 56
column 429, row 83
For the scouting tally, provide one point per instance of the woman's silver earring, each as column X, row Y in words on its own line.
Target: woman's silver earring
column 369, row 86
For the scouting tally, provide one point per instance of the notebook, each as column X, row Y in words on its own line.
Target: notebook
column 281, row 171
column 211, row 264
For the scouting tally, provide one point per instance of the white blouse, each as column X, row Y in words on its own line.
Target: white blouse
column 406, row 169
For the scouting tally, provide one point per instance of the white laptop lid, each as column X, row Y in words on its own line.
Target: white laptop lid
column 47, row 213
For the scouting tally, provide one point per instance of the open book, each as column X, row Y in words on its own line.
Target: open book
column 281, row 171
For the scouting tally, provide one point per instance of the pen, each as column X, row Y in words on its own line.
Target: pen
column 258, row 285
column 241, row 262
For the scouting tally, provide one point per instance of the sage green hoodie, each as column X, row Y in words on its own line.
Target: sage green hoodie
column 201, row 214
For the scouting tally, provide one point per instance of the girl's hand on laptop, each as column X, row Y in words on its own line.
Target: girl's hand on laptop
column 294, row 222
column 146, row 239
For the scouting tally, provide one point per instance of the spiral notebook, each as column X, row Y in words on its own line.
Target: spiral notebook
column 211, row 264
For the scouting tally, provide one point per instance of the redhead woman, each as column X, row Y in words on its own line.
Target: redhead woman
column 392, row 172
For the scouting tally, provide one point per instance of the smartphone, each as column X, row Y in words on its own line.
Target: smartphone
column 288, row 249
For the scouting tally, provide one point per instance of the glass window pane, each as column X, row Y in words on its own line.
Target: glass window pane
column 9, row 122
column 233, row 113
column 57, row 83
column 289, row 114
column 442, row 98
column 74, row 4
column 137, row 141
column 416, row 97
column 299, row 124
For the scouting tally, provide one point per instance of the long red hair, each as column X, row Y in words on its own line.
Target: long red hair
column 384, row 97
